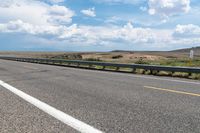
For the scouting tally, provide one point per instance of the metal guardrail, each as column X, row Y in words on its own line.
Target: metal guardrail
column 78, row 63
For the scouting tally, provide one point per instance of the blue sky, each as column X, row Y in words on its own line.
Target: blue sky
column 98, row 25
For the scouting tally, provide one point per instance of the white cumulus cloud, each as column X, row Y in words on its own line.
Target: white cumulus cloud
column 168, row 7
column 181, row 36
column 134, row 2
column 86, row 34
column 187, row 31
column 59, row 15
column 45, row 31
column 56, row 1
column 34, row 12
column 89, row 12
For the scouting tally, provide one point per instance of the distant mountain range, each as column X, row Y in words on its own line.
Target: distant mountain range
column 196, row 49
column 121, row 51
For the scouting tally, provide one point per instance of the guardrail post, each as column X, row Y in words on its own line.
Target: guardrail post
column 171, row 73
column 133, row 70
column 143, row 71
column 90, row 66
column 189, row 74
column 104, row 67
column 150, row 72
column 117, row 68
column 155, row 72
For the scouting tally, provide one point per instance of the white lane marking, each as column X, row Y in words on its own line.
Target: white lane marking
column 65, row 118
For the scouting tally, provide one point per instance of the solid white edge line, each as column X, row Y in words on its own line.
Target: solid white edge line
column 65, row 118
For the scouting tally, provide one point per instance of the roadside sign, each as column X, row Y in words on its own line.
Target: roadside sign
column 191, row 54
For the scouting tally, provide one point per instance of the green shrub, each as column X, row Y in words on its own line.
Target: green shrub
column 68, row 56
column 92, row 59
column 117, row 57
column 141, row 61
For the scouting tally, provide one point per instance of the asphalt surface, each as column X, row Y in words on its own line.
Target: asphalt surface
column 110, row 102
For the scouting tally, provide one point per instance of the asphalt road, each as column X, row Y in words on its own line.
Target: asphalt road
column 110, row 102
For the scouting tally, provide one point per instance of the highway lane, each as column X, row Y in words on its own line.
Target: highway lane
column 18, row 116
column 111, row 102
